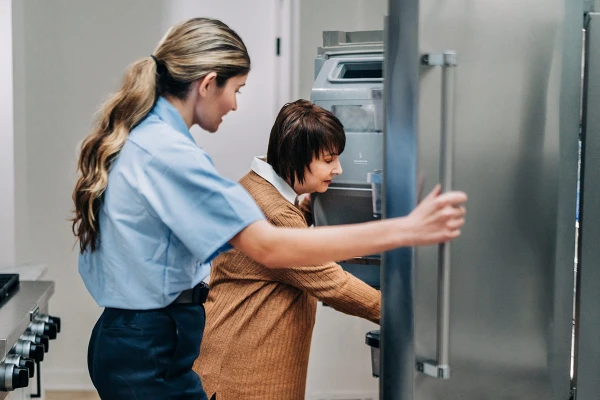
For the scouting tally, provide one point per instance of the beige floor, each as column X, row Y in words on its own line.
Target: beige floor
column 71, row 396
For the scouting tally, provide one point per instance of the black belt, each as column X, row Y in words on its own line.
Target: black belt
column 197, row 295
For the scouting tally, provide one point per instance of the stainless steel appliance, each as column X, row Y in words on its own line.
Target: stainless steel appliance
column 25, row 332
column 483, row 97
column 587, row 345
column 349, row 83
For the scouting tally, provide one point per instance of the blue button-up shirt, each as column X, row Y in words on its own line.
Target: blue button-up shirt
column 166, row 213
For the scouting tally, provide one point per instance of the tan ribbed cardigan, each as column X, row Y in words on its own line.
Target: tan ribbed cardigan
column 259, row 321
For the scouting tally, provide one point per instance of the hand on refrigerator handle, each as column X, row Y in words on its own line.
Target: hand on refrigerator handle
column 439, row 217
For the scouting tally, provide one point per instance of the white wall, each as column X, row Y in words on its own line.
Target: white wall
column 340, row 362
column 73, row 55
column 245, row 132
column 20, row 132
column 7, row 167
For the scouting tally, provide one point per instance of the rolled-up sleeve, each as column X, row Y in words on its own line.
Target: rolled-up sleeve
column 203, row 209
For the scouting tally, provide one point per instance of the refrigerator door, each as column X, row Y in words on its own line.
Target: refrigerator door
column 516, row 119
column 587, row 362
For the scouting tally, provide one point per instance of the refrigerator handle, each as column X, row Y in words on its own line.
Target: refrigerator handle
column 448, row 61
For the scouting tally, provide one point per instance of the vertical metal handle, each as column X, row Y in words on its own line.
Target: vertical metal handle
column 441, row 367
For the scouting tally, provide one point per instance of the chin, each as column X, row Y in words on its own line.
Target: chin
column 210, row 128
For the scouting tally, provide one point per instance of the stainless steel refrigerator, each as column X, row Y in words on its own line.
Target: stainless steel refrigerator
column 587, row 335
column 484, row 96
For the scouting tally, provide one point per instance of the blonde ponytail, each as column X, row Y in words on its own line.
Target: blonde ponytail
column 188, row 52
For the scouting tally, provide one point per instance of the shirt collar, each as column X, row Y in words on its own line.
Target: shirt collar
column 265, row 171
column 167, row 112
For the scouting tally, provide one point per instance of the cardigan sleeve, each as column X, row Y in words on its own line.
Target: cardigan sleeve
column 328, row 282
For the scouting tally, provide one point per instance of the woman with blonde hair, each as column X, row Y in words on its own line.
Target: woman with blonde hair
column 151, row 212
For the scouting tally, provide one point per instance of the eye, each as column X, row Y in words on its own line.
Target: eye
column 238, row 92
column 329, row 161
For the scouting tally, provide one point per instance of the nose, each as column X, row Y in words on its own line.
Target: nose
column 234, row 103
column 337, row 170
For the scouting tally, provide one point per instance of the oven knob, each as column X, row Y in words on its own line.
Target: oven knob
column 21, row 362
column 43, row 328
column 49, row 318
column 28, row 349
column 37, row 339
column 13, row 377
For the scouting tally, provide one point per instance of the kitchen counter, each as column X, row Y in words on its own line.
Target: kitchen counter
column 27, row 272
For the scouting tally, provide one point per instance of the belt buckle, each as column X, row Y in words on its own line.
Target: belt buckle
column 200, row 293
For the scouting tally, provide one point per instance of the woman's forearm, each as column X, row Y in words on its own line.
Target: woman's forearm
column 278, row 247
column 438, row 218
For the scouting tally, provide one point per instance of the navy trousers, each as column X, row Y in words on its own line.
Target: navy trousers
column 147, row 355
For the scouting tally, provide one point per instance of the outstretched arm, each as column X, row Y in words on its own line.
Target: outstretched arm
column 438, row 218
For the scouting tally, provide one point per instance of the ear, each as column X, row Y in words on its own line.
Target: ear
column 204, row 85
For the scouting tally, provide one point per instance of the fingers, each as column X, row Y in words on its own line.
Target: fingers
column 454, row 224
column 454, row 198
column 453, row 211
column 440, row 216
column 453, row 234
column 434, row 193
column 454, row 220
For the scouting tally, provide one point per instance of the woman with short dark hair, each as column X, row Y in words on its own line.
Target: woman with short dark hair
column 259, row 319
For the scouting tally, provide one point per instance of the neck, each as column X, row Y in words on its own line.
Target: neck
column 184, row 107
column 297, row 188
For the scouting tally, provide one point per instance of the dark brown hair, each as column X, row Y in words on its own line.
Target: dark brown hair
column 303, row 131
